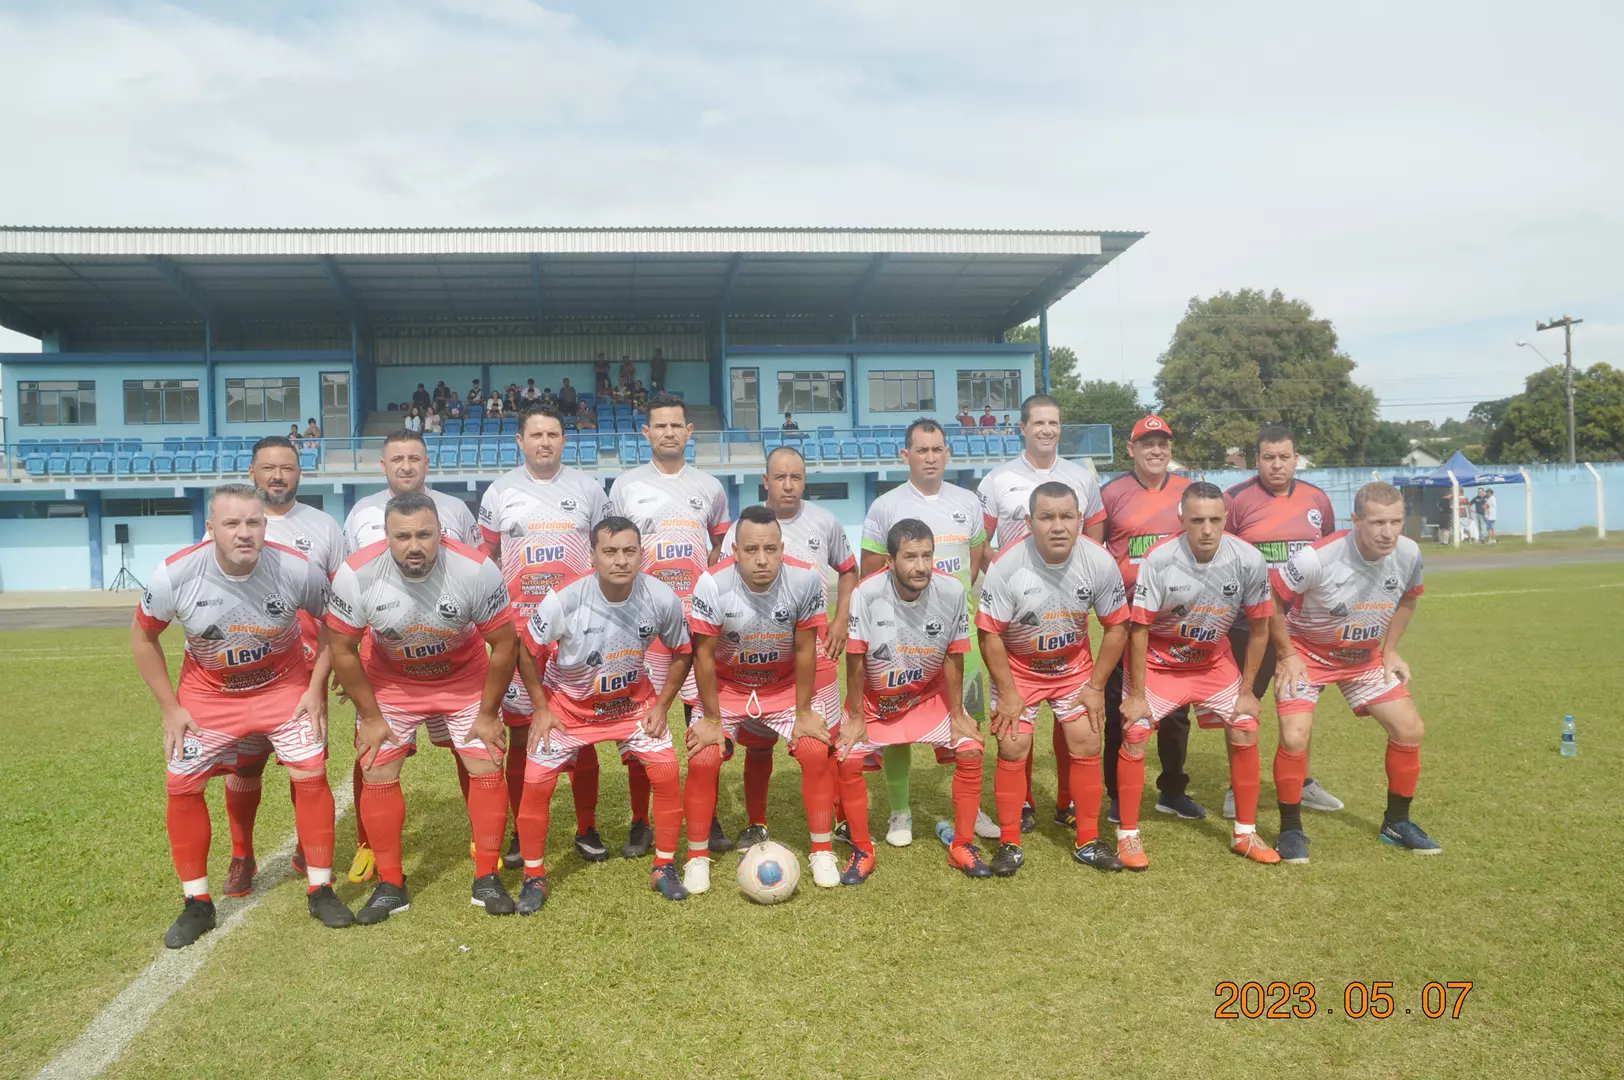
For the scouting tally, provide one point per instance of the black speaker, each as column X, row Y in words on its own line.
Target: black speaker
column 121, row 534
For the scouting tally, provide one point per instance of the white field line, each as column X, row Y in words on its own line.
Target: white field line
column 127, row 1015
column 1519, row 592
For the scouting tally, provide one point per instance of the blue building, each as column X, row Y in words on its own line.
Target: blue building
column 168, row 352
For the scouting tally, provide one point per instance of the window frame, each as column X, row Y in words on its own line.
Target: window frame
column 892, row 386
column 31, row 399
column 158, row 396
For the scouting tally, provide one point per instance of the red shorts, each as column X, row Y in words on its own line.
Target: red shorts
column 565, row 743
column 239, row 731
column 1213, row 690
column 1361, row 687
column 760, row 730
column 1065, row 702
column 926, row 723
column 453, row 730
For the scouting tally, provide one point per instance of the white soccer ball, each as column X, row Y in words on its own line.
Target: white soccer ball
column 769, row 872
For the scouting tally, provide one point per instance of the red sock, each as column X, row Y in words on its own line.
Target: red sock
column 699, row 799
column 1088, row 791
column 513, row 765
column 758, row 771
column 967, row 796
column 1403, row 768
column 1062, row 768
column 462, row 774
column 384, row 808
column 1008, row 792
column 665, row 780
column 1245, row 776
column 189, row 834
column 313, row 813
column 637, row 785
column 584, row 789
column 854, row 799
column 1290, row 767
column 242, row 806
column 357, row 782
column 1130, row 788
column 1026, row 767
column 488, row 814
column 535, row 808
column 817, row 790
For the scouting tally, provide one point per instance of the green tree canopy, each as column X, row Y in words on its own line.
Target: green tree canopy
column 1533, row 426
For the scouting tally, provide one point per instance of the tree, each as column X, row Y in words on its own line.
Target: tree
column 1534, row 425
column 1096, row 401
column 1240, row 360
column 1388, row 444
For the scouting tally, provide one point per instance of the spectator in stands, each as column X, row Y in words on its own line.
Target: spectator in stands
column 656, row 371
column 548, row 397
column 493, row 404
column 454, row 410
column 312, row 429
column 600, row 375
column 294, row 437
column 568, row 399
column 790, row 424
column 1006, row 428
column 628, row 372
column 475, row 394
column 442, row 394
column 431, row 423
column 640, row 393
column 420, row 397
column 966, row 418
column 988, row 419
column 530, row 392
column 515, row 398
column 585, row 419
column 414, row 420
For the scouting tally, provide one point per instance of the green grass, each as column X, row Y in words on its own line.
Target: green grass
column 1059, row 972
column 1513, row 544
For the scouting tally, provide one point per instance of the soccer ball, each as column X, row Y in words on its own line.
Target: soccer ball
column 769, row 872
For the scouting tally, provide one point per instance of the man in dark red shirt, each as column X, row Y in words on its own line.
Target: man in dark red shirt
column 1142, row 507
column 988, row 419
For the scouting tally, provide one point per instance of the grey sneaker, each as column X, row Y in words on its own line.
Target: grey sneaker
column 1229, row 804
column 1316, row 797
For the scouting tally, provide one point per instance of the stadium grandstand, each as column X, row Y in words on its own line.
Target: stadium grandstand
column 168, row 352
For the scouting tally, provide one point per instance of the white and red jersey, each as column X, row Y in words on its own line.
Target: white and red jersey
column 1190, row 605
column 312, row 533
column 1340, row 603
column 595, row 664
column 677, row 514
column 905, row 644
column 953, row 514
column 427, row 648
column 755, row 631
column 1006, row 494
column 364, row 526
column 1279, row 525
column 242, row 633
column 1042, row 611
column 543, row 529
column 814, row 536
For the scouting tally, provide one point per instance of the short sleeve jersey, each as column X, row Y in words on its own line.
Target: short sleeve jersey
column 595, row 671
column 1042, row 611
column 365, row 527
column 1190, row 606
column 1006, row 493
column 906, row 644
column 953, row 514
column 755, row 631
column 677, row 514
column 242, row 633
column 427, row 651
column 814, row 536
column 312, row 533
column 544, row 529
column 1340, row 603
column 1137, row 518
column 1279, row 525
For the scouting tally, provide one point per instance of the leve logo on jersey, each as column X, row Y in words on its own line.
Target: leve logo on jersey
column 247, row 654
column 609, row 685
column 758, row 656
column 903, row 677
column 668, row 551
column 541, row 556
column 1054, row 642
column 1196, row 632
column 949, row 566
column 1354, row 632
column 423, row 651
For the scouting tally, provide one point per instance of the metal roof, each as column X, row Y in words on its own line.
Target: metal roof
column 67, row 278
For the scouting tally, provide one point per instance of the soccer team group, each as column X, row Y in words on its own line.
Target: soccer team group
column 564, row 617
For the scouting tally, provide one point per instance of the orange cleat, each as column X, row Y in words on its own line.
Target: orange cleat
column 1131, row 853
column 1251, row 845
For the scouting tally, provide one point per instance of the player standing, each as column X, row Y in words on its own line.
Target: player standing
column 1191, row 589
column 536, row 521
column 1034, row 631
column 245, row 689
column 910, row 629
column 585, row 666
column 428, row 608
column 1005, row 493
column 1343, row 605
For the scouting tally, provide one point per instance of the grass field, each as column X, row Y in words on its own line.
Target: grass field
column 920, row 973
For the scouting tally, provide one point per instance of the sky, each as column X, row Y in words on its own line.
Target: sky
column 1433, row 178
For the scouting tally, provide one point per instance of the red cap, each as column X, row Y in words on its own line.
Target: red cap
column 1150, row 425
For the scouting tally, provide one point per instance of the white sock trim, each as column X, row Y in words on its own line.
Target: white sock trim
column 318, row 878
column 533, row 865
column 822, row 837
column 699, row 845
column 196, row 887
column 1244, row 830
column 658, row 854
column 1122, row 833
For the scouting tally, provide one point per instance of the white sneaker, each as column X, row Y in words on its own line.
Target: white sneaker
column 1229, row 804
column 696, row 875
column 1316, row 797
column 825, row 871
column 899, row 830
column 986, row 827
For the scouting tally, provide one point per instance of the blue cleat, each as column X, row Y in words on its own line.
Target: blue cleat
column 1407, row 834
column 665, row 881
column 858, row 867
column 1292, row 846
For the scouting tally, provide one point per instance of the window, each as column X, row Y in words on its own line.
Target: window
column 812, row 391
column 160, row 401
column 258, row 401
column 56, row 404
column 132, row 508
column 826, row 492
column 996, row 390
column 902, row 391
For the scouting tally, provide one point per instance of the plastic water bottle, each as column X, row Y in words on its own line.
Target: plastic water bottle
column 1570, row 738
column 944, row 829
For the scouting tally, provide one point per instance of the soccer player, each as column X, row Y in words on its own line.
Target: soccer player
column 1279, row 515
column 428, row 608
column 245, row 689
column 1191, row 589
column 1141, row 509
column 1005, row 493
column 910, row 629
column 1342, row 606
column 1034, row 633
column 814, row 536
column 583, row 663
column 960, row 541
column 537, row 524
column 405, row 463
column 757, row 617
column 681, row 515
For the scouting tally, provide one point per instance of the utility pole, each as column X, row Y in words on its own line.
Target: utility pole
column 1567, row 323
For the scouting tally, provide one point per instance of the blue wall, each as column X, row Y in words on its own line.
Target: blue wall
column 689, row 377
column 44, row 554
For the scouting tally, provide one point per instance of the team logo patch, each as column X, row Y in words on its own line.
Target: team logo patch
column 1340, row 611
column 191, row 748
column 882, row 655
column 1030, row 619
column 567, row 505
column 303, row 544
column 960, row 518
column 213, row 633
column 278, row 606
column 1082, row 594
column 696, row 502
column 516, row 531
column 511, row 694
column 733, row 637
column 1181, row 611
column 1391, row 584
column 933, row 627
column 781, row 614
column 645, row 630
column 814, row 543
column 594, row 659
column 447, row 608
column 1316, row 519
column 1231, row 590
column 389, row 633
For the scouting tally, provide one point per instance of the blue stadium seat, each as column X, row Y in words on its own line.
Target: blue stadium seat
column 570, row 455
column 1012, row 445
column 122, row 463
column 191, row 444
column 489, row 453
column 205, row 462
column 141, row 464
column 510, row 425
column 163, row 463
column 690, row 453
column 452, row 427
column 447, row 459
column 129, row 446
column 173, row 443
column 978, row 445
column 101, row 464
column 184, row 463
column 36, row 464
column 628, row 453
column 235, row 444
column 468, row 456
column 830, row 448
column 307, row 459
column 58, row 464
column 245, row 461
column 869, row 449
column 826, row 432
column 809, row 452
column 849, row 450
column 645, row 454
column 889, row 448
column 509, row 455
column 68, row 444
column 27, row 447
column 589, row 453
column 474, row 411
column 959, row 446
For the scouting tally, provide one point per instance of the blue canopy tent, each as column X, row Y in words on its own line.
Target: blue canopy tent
column 1458, row 470
column 1466, row 475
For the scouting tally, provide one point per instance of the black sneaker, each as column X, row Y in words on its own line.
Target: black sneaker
column 1113, row 813
column 328, row 909
column 718, row 839
column 589, row 845
column 533, row 893
column 511, row 857
column 1007, row 859
column 1182, row 805
column 1407, row 834
column 843, row 831
column 1066, row 817
column 668, row 883
column 638, row 841
column 195, row 920
column 386, row 900
column 858, row 867
column 490, row 894
column 1098, row 854
column 1029, row 818
column 967, row 857
column 1292, row 844
column 749, row 838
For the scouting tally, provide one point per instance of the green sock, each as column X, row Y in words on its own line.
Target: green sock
column 897, row 762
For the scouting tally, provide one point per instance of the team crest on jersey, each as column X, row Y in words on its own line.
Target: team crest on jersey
column 960, row 518
column 645, row 630
column 814, row 543
column 933, row 627
column 851, row 624
column 1340, row 611
column 191, row 748
column 1231, row 590
column 278, row 606
column 1316, row 519
column 511, row 693
column 781, row 614
column 448, row 608
column 213, row 633
column 696, row 502
column 1082, row 594
column 303, row 544
column 1391, row 584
